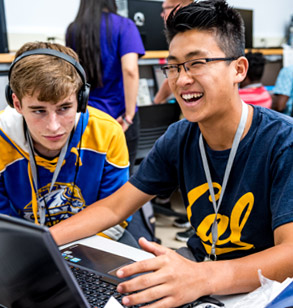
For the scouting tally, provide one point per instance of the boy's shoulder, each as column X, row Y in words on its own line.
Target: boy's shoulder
column 105, row 135
column 100, row 117
column 274, row 126
column 102, row 127
column 273, row 116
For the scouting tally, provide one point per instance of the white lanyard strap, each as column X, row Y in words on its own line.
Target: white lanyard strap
column 41, row 207
column 235, row 144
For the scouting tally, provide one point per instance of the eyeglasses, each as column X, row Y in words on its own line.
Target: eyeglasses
column 193, row 67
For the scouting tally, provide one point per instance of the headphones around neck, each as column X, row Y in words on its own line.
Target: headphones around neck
column 83, row 93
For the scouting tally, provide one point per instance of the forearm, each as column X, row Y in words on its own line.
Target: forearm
column 163, row 93
column 100, row 215
column 241, row 275
column 279, row 102
column 130, row 92
column 93, row 219
column 130, row 83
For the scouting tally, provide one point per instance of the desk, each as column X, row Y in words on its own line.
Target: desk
column 160, row 54
column 137, row 255
column 154, row 54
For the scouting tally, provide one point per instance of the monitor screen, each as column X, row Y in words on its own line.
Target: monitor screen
column 147, row 16
column 247, row 16
column 3, row 30
column 30, row 275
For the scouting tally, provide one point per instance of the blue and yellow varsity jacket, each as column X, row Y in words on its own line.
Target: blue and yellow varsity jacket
column 98, row 142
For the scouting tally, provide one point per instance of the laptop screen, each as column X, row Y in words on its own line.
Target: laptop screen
column 30, row 275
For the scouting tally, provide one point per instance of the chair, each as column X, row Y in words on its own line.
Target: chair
column 154, row 121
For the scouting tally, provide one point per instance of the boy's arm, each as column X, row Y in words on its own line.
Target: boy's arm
column 279, row 102
column 100, row 215
column 282, row 89
column 163, row 93
column 130, row 74
column 169, row 273
column 275, row 263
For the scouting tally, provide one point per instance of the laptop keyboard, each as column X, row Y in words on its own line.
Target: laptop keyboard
column 96, row 290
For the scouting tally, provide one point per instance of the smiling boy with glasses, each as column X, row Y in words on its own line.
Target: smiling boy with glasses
column 232, row 162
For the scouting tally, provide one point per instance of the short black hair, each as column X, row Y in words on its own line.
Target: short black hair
column 256, row 66
column 210, row 15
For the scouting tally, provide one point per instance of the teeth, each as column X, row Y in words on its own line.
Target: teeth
column 191, row 96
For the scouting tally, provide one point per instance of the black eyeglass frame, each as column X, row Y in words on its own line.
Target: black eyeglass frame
column 166, row 67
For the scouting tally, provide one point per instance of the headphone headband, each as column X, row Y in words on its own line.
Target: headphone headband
column 85, row 89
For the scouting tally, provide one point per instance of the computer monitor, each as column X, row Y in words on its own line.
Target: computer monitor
column 3, row 30
column 146, row 15
column 247, row 16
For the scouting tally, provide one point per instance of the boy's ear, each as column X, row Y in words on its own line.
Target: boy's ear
column 241, row 67
column 16, row 103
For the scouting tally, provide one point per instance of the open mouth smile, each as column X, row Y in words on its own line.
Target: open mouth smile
column 192, row 97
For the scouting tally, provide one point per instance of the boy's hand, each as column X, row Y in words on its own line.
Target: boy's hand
column 170, row 280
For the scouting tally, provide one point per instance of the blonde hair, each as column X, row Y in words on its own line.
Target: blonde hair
column 50, row 77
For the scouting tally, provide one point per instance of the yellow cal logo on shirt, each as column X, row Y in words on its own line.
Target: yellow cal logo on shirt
column 236, row 223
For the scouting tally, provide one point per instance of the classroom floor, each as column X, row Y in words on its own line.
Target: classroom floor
column 165, row 230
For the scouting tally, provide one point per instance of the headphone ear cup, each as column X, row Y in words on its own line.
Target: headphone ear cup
column 83, row 97
column 8, row 95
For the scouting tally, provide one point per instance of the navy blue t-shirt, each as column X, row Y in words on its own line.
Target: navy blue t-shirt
column 259, row 193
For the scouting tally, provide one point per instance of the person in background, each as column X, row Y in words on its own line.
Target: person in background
column 167, row 6
column 161, row 98
column 251, row 89
column 232, row 162
column 57, row 155
column 109, row 46
column 283, row 91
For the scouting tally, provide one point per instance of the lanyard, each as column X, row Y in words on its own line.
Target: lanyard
column 41, row 206
column 232, row 154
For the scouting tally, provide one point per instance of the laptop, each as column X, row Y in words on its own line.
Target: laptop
column 34, row 273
